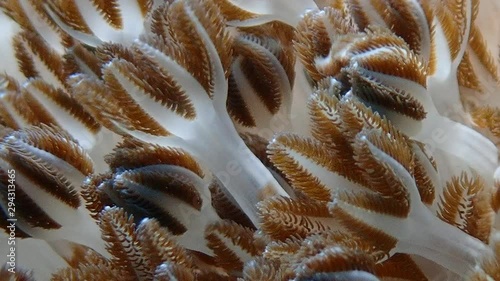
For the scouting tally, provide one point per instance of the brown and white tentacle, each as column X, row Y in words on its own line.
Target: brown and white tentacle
column 384, row 192
column 43, row 97
column 170, row 186
column 261, row 79
column 49, row 167
column 95, row 22
column 365, row 64
column 187, row 104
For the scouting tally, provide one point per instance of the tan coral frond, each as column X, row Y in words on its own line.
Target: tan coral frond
column 336, row 259
column 390, row 195
column 134, row 154
column 458, row 9
column 283, row 218
column 465, row 205
column 79, row 59
column 145, row 6
column 236, row 105
column 323, row 109
column 412, row 23
column 355, row 9
column 232, row 244
column 292, row 252
column 339, row 21
column 399, row 267
column 15, row 11
column 95, row 199
column 188, row 39
column 213, row 21
column 207, row 269
column 424, row 165
column 36, row 22
column 38, row 110
column 106, row 52
column 15, row 112
column 32, row 50
column 378, row 38
column 58, row 143
column 43, row 97
column 159, row 245
column 380, row 54
column 488, row 118
column 392, row 145
column 280, row 251
column 25, row 61
column 292, row 155
column 466, row 74
column 312, row 41
column 263, row 270
column 477, row 44
column 28, row 210
column 118, row 230
column 90, row 94
column 98, row 272
column 396, row 207
column 284, row 35
column 260, row 69
column 225, row 206
column 481, row 220
column 277, row 263
column 173, row 272
column 50, row 160
column 451, row 28
column 234, row 13
column 327, row 128
column 380, row 240
column 132, row 190
column 167, row 36
column 257, row 80
column 135, row 81
column 69, row 13
column 339, row 55
column 170, row 183
column 455, row 203
column 356, row 116
column 150, row 81
column 110, row 12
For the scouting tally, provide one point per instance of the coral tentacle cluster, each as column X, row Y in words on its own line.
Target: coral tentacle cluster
column 249, row 140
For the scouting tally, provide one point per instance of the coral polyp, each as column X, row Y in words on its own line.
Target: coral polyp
column 249, row 140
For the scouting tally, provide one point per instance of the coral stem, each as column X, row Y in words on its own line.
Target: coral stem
column 442, row 243
column 241, row 172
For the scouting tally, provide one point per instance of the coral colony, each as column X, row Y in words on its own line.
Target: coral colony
column 249, row 140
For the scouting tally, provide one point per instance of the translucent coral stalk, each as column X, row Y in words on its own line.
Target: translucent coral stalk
column 264, row 11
